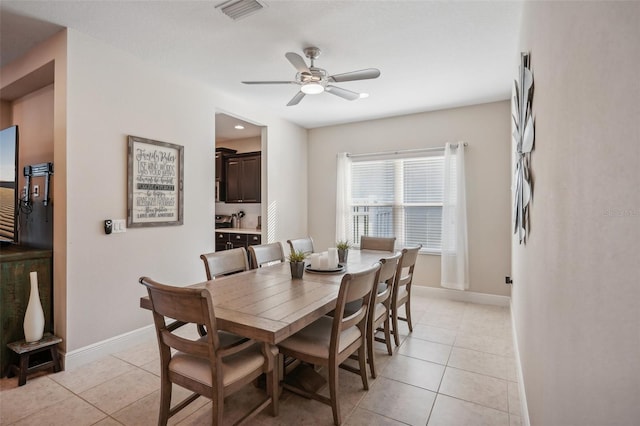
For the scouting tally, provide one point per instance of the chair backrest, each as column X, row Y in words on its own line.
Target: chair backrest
column 355, row 287
column 265, row 253
column 377, row 243
column 184, row 305
column 388, row 268
column 304, row 245
column 225, row 262
column 404, row 273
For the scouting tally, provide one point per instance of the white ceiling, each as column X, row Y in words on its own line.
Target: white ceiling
column 432, row 55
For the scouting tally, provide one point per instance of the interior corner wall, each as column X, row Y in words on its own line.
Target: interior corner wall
column 52, row 50
column 6, row 114
column 111, row 95
column 576, row 293
column 486, row 129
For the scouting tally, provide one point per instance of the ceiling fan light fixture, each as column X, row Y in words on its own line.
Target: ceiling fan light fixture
column 312, row 88
column 313, row 80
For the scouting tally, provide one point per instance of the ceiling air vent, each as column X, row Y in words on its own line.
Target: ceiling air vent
column 238, row 9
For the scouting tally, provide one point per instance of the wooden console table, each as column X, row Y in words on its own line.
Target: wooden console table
column 15, row 264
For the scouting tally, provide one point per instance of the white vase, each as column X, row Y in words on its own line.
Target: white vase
column 34, row 315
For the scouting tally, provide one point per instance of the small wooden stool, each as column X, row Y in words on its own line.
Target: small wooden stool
column 49, row 342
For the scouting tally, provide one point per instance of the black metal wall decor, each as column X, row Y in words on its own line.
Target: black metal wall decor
column 523, row 136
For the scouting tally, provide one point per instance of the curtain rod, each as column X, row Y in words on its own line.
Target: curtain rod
column 404, row 151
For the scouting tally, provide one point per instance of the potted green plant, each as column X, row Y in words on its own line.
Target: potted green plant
column 343, row 251
column 296, row 262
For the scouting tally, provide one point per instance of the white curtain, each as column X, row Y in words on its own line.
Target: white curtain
column 455, row 252
column 343, row 198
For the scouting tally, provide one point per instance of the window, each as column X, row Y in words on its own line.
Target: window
column 398, row 197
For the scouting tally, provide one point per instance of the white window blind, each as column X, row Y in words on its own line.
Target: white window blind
column 399, row 197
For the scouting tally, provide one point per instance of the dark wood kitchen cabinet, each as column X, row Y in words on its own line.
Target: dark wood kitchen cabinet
column 243, row 178
column 230, row 240
column 221, row 155
column 221, row 169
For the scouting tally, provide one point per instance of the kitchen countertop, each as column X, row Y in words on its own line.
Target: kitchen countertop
column 239, row 231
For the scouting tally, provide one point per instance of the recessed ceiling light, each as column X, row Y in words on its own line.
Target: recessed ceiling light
column 238, row 127
column 364, row 95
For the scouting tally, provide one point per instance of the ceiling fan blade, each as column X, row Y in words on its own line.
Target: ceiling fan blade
column 269, row 82
column 297, row 62
column 343, row 93
column 296, row 99
column 356, row 75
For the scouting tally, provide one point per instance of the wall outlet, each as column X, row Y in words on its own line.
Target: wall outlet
column 119, row 225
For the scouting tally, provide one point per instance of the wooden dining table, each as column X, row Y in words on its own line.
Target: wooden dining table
column 267, row 305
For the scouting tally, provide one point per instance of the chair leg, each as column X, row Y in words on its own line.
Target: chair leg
column 394, row 319
column 363, row 366
column 333, row 393
column 387, row 335
column 370, row 356
column 407, row 308
column 165, row 400
column 218, row 408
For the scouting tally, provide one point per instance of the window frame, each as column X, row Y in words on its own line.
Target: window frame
column 398, row 206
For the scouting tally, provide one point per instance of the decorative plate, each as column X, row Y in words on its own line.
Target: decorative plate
column 339, row 269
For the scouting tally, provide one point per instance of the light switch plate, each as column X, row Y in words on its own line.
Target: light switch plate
column 119, row 225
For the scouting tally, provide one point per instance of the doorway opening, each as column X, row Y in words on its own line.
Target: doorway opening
column 240, row 187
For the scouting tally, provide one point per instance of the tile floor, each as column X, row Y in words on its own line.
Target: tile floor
column 456, row 368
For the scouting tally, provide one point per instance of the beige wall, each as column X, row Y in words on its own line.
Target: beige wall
column 484, row 127
column 242, row 145
column 114, row 95
column 33, row 114
column 110, row 95
column 6, row 114
column 577, row 281
column 53, row 49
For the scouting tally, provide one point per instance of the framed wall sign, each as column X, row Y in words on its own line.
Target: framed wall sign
column 155, row 178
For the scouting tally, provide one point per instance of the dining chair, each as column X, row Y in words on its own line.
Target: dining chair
column 379, row 318
column 377, row 243
column 329, row 341
column 265, row 253
column 304, row 245
column 402, row 289
column 207, row 366
column 379, row 309
column 225, row 262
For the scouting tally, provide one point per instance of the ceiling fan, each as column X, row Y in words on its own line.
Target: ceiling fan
column 313, row 80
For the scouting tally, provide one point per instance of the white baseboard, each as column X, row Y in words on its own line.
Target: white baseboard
column 524, row 409
column 461, row 296
column 109, row 346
